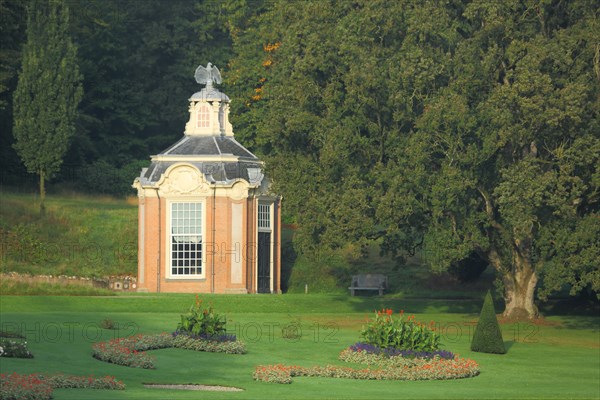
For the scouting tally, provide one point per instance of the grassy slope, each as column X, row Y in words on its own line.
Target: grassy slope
column 83, row 236
column 543, row 361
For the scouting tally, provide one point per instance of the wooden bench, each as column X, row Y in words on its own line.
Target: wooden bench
column 368, row 282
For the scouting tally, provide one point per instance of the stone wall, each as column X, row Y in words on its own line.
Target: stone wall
column 116, row 283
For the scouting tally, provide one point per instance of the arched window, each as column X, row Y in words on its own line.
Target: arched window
column 203, row 117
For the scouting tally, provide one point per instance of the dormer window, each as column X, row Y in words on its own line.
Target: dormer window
column 203, row 117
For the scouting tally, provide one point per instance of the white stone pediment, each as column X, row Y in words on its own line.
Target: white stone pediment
column 183, row 180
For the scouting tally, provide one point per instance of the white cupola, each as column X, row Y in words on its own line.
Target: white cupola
column 209, row 108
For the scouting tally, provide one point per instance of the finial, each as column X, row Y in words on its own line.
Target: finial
column 207, row 75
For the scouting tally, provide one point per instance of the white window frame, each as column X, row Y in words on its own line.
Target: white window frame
column 203, row 116
column 169, row 239
column 270, row 229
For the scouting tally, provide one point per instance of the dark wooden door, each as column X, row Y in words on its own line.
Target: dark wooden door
column 264, row 262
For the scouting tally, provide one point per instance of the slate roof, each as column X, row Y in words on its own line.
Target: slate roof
column 214, row 171
column 247, row 167
column 208, row 145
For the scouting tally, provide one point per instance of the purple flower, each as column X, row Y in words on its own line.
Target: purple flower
column 394, row 352
column 219, row 337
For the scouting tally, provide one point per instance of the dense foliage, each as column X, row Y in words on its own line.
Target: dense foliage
column 137, row 61
column 399, row 333
column 456, row 127
column 14, row 348
column 201, row 321
column 487, row 337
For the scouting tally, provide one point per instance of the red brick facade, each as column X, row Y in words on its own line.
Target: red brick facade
column 226, row 228
column 218, row 245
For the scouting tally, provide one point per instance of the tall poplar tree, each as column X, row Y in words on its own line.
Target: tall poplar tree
column 48, row 92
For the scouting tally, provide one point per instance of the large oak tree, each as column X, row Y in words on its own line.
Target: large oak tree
column 458, row 127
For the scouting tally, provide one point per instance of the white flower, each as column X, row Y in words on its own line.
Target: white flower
column 1, row 351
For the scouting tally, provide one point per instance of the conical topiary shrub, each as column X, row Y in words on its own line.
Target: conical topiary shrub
column 488, row 336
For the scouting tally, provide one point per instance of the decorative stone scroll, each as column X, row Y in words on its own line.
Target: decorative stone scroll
column 183, row 180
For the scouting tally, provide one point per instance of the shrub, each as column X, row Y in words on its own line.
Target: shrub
column 487, row 337
column 386, row 331
column 291, row 331
column 107, row 323
column 201, row 321
column 14, row 348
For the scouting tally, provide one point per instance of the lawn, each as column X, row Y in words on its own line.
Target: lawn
column 558, row 359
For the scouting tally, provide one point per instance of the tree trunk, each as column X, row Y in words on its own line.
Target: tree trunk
column 519, row 292
column 520, row 281
column 42, row 193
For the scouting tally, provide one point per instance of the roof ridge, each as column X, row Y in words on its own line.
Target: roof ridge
column 217, row 145
column 177, row 144
column 244, row 147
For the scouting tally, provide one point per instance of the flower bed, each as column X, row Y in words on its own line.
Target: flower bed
column 362, row 357
column 393, row 349
column 212, row 346
column 131, row 351
column 24, row 387
column 14, row 348
column 432, row 369
column 362, row 353
column 60, row 381
column 221, row 337
column 39, row 387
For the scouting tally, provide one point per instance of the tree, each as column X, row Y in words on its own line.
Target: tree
column 457, row 127
column 487, row 337
column 11, row 33
column 48, row 92
column 512, row 150
column 12, row 37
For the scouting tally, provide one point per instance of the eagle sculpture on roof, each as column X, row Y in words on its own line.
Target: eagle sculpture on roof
column 207, row 75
